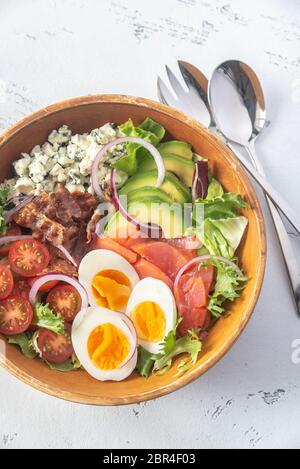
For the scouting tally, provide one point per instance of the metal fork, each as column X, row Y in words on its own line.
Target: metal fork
column 194, row 101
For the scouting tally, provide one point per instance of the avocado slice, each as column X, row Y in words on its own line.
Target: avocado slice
column 177, row 148
column 170, row 218
column 181, row 167
column 150, row 193
column 171, row 185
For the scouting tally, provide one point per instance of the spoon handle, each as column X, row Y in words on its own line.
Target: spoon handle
column 285, row 242
column 278, row 200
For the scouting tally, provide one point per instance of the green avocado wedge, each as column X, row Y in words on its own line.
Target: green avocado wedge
column 180, row 166
column 172, row 186
column 149, row 193
column 176, row 147
column 169, row 218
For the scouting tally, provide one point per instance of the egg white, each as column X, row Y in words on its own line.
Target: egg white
column 102, row 259
column 151, row 289
column 85, row 323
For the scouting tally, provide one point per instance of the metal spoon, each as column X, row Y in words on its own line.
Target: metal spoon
column 237, row 102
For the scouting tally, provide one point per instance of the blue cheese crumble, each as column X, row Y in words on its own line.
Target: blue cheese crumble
column 67, row 159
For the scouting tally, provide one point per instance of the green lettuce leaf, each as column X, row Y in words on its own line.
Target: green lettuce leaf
column 222, row 237
column 217, row 223
column 24, row 342
column 145, row 362
column 4, row 192
column 172, row 347
column 150, row 131
column 224, row 206
column 45, row 318
column 229, row 285
column 214, row 189
column 69, row 365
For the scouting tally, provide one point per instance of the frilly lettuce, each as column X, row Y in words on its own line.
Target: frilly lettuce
column 229, row 284
column 171, row 347
column 45, row 318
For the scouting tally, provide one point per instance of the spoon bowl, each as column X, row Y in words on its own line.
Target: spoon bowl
column 237, row 102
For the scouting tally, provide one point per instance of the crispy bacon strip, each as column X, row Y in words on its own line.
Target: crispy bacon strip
column 42, row 227
column 61, row 218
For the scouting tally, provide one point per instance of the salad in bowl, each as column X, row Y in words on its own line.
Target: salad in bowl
column 119, row 251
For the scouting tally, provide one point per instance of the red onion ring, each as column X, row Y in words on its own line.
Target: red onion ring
column 10, row 213
column 154, row 152
column 12, row 239
column 201, row 259
column 67, row 255
column 63, row 278
column 145, row 227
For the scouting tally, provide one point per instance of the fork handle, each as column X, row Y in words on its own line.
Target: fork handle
column 276, row 198
column 285, row 242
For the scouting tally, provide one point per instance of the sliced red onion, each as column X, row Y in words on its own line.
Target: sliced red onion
column 67, row 255
column 200, row 180
column 10, row 213
column 154, row 152
column 62, row 278
column 200, row 260
column 155, row 230
column 12, row 239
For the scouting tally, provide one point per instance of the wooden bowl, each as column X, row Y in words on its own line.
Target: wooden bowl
column 82, row 115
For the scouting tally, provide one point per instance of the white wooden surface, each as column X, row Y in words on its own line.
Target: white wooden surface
column 52, row 50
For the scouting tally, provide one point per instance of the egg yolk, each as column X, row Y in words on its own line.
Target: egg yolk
column 111, row 289
column 149, row 321
column 107, row 347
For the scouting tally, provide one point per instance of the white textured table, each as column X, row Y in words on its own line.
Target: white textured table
column 52, row 50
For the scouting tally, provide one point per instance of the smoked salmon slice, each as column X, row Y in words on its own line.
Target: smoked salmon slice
column 145, row 269
column 192, row 296
column 108, row 243
column 167, row 258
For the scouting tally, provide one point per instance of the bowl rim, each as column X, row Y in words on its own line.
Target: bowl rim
column 213, row 360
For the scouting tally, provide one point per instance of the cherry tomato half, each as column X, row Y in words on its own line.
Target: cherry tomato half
column 12, row 230
column 28, row 257
column 16, row 315
column 55, row 348
column 65, row 300
column 6, row 282
column 44, row 288
column 21, row 288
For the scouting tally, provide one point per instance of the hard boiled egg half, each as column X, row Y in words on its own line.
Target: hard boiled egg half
column 105, row 342
column 152, row 309
column 108, row 279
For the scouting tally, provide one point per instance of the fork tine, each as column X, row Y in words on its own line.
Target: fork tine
column 192, row 75
column 165, row 94
column 176, row 85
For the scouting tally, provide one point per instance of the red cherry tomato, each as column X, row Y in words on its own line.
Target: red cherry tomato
column 65, row 300
column 16, row 315
column 28, row 257
column 55, row 348
column 6, row 282
column 21, row 288
column 12, row 230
